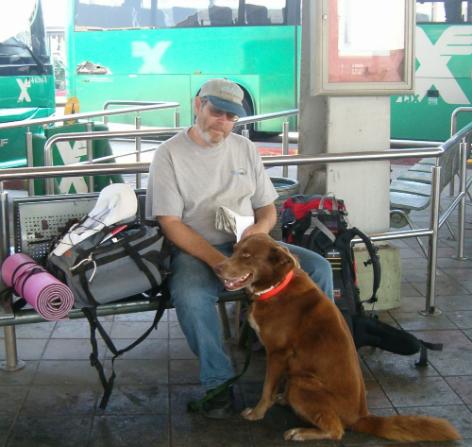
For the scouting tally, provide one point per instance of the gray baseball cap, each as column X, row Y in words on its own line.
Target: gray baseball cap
column 225, row 95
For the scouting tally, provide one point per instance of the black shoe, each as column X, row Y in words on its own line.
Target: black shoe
column 220, row 406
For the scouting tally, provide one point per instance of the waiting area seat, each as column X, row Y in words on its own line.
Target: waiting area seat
column 412, row 190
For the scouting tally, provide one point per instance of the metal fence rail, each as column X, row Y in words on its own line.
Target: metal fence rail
column 431, row 231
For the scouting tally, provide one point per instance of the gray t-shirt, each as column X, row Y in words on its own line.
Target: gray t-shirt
column 191, row 182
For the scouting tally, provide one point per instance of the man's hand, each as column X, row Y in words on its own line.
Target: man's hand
column 265, row 218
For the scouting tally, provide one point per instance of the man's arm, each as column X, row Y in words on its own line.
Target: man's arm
column 265, row 219
column 189, row 240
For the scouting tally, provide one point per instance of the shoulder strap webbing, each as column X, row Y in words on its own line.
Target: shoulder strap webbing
column 91, row 314
column 345, row 239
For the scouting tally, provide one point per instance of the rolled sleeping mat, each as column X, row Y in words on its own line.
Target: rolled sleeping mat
column 51, row 298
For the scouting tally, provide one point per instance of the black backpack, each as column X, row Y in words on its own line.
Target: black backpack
column 319, row 223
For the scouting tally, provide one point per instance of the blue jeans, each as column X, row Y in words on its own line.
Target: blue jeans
column 194, row 291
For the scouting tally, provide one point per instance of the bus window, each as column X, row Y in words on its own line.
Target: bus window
column 446, row 11
column 114, row 14
column 265, row 12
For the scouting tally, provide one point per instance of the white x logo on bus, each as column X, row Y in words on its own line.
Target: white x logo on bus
column 72, row 154
column 454, row 41
column 24, row 86
column 152, row 55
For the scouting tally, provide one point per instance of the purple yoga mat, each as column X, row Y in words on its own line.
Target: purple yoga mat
column 51, row 298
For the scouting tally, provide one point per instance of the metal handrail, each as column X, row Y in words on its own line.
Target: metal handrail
column 137, row 134
column 120, row 102
column 77, row 116
column 432, row 232
column 142, row 167
column 96, row 135
column 454, row 115
column 265, row 116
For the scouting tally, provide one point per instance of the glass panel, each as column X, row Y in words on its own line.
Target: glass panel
column 22, row 39
column 365, row 50
column 220, row 13
column 447, row 11
column 109, row 14
column 265, row 12
column 183, row 13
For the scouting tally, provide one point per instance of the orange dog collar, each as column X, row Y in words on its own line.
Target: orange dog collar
column 274, row 290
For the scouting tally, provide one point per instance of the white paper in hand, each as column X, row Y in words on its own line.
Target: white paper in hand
column 231, row 222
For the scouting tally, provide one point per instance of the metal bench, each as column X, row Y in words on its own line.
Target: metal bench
column 412, row 189
column 36, row 221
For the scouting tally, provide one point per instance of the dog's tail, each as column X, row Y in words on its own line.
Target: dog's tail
column 407, row 428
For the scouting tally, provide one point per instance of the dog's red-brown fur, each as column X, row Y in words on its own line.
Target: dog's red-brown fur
column 309, row 347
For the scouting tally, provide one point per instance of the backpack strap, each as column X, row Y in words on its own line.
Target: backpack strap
column 346, row 238
column 107, row 383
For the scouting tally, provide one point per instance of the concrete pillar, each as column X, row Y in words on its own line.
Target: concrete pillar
column 330, row 124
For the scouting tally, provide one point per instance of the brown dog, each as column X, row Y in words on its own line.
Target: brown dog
column 309, row 345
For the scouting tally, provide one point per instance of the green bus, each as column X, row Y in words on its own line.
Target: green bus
column 26, row 76
column 165, row 49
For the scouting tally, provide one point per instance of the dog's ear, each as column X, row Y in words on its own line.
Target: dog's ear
column 281, row 256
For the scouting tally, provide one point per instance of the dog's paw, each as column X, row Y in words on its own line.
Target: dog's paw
column 294, row 434
column 251, row 415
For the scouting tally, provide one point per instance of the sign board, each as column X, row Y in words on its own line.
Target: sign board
column 362, row 47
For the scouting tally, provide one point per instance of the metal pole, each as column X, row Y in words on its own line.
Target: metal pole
column 11, row 362
column 89, row 128
column 29, row 158
column 137, row 122
column 462, row 191
column 177, row 118
column 11, row 356
column 430, row 308
column 48, row 162
column 285, row 146
column 245, row 131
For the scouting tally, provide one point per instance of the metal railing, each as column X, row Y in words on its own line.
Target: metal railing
column 99, row 135
column 139, row 167
column 138, row 134
column 431, row 232
column 141, row 106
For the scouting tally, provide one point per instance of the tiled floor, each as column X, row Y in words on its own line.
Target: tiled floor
column 53, row 401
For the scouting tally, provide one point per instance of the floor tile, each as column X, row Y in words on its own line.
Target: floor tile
column 70, row 349
column 462, row 385
column 76, row 329
column 63, row 431
column 134, row 329
column 412, row 321
column 141, row 372
column 23, row 376
column 28, row 349
column 461, row 318
column 142, row 430
column 425, row 391
column 456, row 357
column 149, row 349
column 66, row 372
column 133, row 399
column 59, row 400
column 183, row 371
column 179, row 349
column 6, row 423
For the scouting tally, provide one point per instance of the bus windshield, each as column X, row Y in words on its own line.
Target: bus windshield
column 22, row 39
